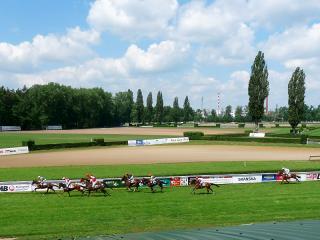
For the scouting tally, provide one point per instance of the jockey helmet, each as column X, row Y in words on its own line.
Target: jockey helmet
column 63, row 178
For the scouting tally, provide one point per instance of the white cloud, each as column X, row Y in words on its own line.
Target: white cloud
column 132, row 18
column 43, row 50
column 158, row 58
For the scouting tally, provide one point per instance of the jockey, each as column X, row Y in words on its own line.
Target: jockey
column 286, row 171
column 92, row 179
column 130, row 178
column 67, row 181
column 200, row 181
column 42, row 180
column 153, row 179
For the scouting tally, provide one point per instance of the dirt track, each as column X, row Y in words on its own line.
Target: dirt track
column 141, row 131
column 157, row 154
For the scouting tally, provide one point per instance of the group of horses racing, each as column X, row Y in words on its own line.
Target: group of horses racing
column 85, row 185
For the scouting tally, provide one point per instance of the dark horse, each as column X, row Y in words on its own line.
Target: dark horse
column 48, row 186
column 130, row 184
column 286, row 177
column 197, row 185
column 69, row 189
column 151, row 185
column 99, row 187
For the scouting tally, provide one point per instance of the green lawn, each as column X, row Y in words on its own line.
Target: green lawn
column 38, row 216
column 315, row 132
column 7, row 174
column 15, row 139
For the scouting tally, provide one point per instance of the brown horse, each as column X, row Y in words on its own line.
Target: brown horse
column 286, row 177
column 151, row 185
column 48, row 186
column 69, row 189
column 197, row 185
column 99, row 187
column 130, row 184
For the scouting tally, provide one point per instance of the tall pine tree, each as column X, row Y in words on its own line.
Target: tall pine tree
column 296, row 92
column 139, row 107
column 176, row 110
column 187, row 110
column 258, row 88
column 149, row 109
column 159, row 108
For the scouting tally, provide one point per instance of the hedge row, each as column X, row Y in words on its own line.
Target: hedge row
column 243, row 137
column 97, row 142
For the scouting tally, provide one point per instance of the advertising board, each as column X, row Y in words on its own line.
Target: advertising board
column 16, row 188
column 257, row 135
column 159, row 141
column 269, row 177
column 12, row 151
column 247, row 179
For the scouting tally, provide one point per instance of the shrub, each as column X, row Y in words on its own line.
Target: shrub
column 277, row 125
column 195, row 125
column 193, row 135
column 241, row 125
column 218, row 125
column 303, row 125
column 303, row 139
column 99, row 141
column 29, row 143
column 261, row 125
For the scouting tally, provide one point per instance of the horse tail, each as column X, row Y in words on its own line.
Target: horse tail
column 214, row 184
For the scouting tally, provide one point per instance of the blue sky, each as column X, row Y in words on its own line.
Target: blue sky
column 195, row 48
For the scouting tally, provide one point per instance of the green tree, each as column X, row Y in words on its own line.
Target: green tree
column 227, row 115
column 238, row 114
column 176, row 110
column 139, row 107
column 258, row 88
column 149, row 109
column 296, row 94
column 187, row 110
column 159, row 108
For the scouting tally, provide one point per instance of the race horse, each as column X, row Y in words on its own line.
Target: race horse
column 197, row 185
column 151, row 185
column 286, row 177
column 71, row 188
column 129, row 184
column 99, row 187
column 39, row 185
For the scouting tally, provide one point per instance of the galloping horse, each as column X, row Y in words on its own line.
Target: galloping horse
column 70, row 189
column 48, row 186
column 198, row 185
column 286, row 177
column 130, row 184
column 99, row 187
column 151, row 185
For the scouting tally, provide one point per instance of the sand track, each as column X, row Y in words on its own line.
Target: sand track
column 157, row 154
column 141, row 131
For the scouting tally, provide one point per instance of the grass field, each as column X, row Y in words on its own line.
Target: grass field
column 8, row 174
column 35, row 216
column 15, row 139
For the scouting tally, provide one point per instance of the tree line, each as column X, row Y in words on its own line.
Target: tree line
column 55, row 104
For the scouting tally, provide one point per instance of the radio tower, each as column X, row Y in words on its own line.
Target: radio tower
column 202, row 103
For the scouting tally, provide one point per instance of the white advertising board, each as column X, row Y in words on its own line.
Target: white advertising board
column 149, row 142
column 257, row 135
column 219, row 179
column 247, row 179
column 12, row 151
column 16, row 188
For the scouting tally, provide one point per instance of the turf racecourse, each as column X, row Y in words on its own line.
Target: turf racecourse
column 160, row 169
column 36, row 216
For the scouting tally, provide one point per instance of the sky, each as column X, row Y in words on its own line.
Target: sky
column 197, row 48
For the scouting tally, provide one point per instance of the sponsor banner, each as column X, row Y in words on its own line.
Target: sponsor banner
column 148, row 142
column 12, row 151
column 166, row 181
column 312, row 176
column 175, row 181
column 220, row 180
column 269, row 177
column 257, row 135
column 247, row 179
column 183, row 181
column 16, row 188
column 114, row 183
column 10, row 128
